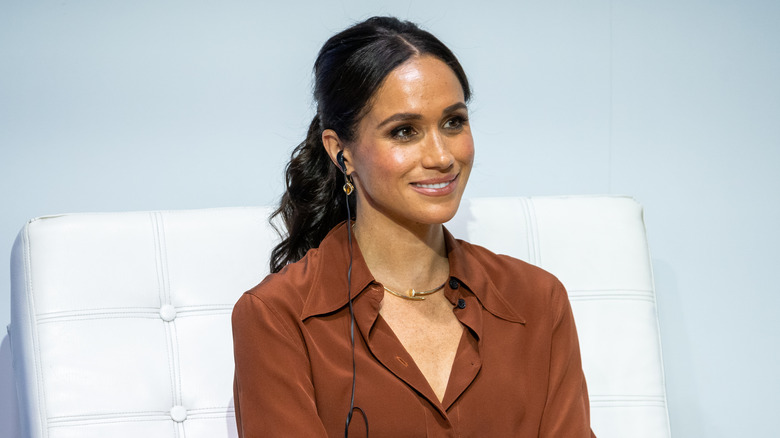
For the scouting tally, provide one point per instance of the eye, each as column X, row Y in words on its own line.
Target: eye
column 455, row 123
column 403, row 133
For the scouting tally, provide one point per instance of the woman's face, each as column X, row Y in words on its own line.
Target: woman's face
column 413, row 151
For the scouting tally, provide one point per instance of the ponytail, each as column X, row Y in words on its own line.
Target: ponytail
column 313, row 203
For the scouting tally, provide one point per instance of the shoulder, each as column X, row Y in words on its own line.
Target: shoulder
column 508, row 271
column 523, row 286
column 281, row 294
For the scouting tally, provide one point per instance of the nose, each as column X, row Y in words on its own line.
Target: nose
column 436, row 153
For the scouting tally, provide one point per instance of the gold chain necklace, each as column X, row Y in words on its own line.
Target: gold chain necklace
column 412, row 294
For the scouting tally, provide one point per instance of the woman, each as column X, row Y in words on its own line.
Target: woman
column 449, row 339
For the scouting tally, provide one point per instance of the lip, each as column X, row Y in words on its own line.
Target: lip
column 452, row 184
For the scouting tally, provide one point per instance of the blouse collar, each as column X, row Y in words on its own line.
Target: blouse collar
column 328, row 290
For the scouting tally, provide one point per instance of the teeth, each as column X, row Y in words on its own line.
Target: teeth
column 433, row 186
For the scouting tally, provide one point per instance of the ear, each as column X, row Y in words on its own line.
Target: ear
column 333, row 145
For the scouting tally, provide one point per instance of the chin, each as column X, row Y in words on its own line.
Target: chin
column 440, row 215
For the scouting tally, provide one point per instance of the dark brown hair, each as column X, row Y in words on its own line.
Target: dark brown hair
column 350, row 68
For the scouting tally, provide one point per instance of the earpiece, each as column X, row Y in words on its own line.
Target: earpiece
column 348, row 187
column 340, row 159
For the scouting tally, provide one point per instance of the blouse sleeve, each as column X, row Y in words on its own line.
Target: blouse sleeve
column 567, row 409
column 273, row 391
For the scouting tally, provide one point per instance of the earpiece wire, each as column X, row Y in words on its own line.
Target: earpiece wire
column 352, row 406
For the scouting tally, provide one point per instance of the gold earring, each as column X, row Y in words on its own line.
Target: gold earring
column 348, row 186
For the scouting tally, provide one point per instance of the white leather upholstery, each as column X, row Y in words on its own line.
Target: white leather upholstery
column 118, row 319
column 596, row 245
column 121, row 321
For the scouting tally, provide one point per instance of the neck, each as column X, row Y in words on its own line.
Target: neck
column 403, row 256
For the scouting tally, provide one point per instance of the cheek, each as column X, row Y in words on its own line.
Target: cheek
column 465, row 151
column 381, row 167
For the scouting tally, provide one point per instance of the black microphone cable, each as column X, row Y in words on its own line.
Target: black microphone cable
column 352, row 407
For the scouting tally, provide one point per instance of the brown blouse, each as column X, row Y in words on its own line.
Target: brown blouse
column 517, row 370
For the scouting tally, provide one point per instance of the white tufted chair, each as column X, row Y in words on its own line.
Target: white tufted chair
column 120, row 322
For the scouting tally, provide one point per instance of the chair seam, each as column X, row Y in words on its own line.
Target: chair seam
column 534, row 226
column 41, row 390
column 140, row 312
column 172, row 324
column 164, row 296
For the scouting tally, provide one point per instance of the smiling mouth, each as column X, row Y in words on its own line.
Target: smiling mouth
column 434, row 186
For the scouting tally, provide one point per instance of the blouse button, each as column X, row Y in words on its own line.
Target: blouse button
column 461, row 303
column 453, row 283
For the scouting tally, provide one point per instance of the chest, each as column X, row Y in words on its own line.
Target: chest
column 429, row 331
column 480, row 384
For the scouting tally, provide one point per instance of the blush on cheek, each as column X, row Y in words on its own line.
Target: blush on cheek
column 471, row 153
column 466, row 154
column 402, row 157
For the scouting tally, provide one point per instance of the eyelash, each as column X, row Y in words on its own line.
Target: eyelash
column 397, row 133
column 460, row 120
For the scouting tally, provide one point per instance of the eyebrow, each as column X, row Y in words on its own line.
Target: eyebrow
column 413, row 116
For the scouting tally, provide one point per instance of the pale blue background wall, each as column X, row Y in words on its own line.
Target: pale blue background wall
column 108, row 105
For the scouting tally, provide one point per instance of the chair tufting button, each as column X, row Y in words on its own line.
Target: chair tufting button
column 168, row 312
column 178, row 414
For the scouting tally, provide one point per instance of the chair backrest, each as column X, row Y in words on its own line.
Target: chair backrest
column 596, row 246
column 120, row 322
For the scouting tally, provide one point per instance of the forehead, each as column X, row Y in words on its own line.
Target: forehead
column 423, row 84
